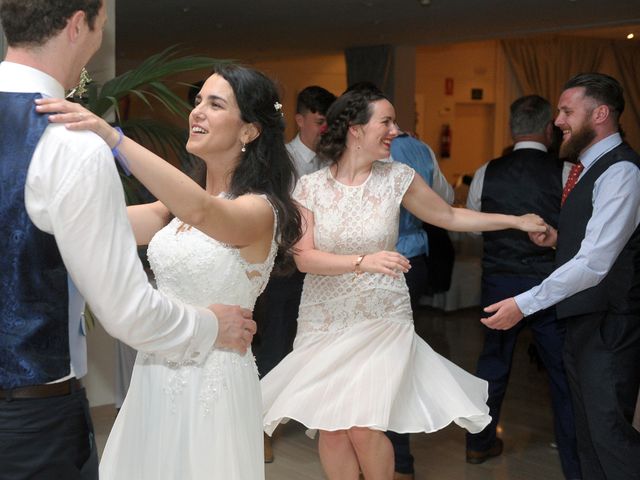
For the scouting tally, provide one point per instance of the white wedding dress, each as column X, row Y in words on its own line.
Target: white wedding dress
column 193, row 421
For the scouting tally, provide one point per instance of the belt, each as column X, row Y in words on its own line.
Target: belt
column 42, row 391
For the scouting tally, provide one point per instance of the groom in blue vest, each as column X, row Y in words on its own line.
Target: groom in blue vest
column 64, row 236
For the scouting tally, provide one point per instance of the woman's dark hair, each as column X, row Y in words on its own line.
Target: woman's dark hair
column 351, row 108
column 265, row 167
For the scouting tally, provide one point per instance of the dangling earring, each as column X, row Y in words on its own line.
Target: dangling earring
column 244, row 147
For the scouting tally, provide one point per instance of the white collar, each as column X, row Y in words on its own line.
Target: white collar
column 529, row 144
column 15, row 77
column 304, row 152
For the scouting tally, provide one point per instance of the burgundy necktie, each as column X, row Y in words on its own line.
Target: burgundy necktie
column 572, row 180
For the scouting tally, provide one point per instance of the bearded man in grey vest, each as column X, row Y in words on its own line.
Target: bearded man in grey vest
column 64, row 235
column 596, row 285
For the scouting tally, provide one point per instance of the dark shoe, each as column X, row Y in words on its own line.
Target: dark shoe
column 268, row 451
column 475, row 456
column 403, row 476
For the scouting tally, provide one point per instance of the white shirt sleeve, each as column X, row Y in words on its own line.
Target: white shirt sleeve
column 440, row 184
column 74, row 193
column 474, row 197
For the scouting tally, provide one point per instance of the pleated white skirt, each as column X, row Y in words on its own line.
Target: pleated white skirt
column 377, row 374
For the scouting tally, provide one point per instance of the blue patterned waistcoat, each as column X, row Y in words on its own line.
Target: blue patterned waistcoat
column 34, row 295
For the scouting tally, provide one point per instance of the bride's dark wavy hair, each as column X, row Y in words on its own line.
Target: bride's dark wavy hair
column 266, row 166
column 351, row 108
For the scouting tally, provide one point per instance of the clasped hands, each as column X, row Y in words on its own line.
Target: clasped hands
column 386, row 262
column 506, row 313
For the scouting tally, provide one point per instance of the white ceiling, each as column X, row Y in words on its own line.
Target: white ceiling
column 268, row 28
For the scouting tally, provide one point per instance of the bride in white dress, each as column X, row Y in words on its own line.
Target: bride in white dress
column 357, row 367
column 203, row 421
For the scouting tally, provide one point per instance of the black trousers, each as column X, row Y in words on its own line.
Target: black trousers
column 47, row 439
column 416, row 279
column 494, row 366
column 277, row 316
column 602, row 358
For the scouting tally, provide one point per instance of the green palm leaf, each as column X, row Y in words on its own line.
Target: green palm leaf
column 148, row 82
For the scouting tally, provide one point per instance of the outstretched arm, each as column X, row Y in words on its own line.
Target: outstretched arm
column 241, row 222
column 311, row 260
column 425, row 204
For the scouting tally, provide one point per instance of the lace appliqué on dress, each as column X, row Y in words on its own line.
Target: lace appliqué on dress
column 199, row 270
column 354, row 220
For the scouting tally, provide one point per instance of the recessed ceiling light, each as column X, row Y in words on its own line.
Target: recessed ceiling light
column 630, row 36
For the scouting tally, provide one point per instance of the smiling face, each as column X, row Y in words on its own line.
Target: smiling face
column 374, row 137
column 575, row 119
column 215, row 125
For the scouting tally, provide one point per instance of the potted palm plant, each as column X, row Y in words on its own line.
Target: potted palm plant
column 148, row 82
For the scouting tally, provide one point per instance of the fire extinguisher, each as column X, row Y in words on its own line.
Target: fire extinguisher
column 445, row 141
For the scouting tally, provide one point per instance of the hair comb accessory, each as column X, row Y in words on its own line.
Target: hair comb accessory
column 278, row 107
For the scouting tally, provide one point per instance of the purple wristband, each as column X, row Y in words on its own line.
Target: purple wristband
column 118, row 155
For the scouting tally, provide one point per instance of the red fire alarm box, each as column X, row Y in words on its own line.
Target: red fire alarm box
column 448, row 86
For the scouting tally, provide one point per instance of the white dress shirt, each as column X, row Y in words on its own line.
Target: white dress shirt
column 74, row 193
column 305, row 160
column 616, row 215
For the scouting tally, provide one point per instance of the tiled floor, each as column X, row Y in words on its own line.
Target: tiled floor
column 526, row 425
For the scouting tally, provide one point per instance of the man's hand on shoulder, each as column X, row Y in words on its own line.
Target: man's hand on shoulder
column 236, row 327
column 507, row 314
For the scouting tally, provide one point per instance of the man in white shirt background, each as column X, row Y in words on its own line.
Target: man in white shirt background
column 278, row 304
column 65, row 235
column 527, row 179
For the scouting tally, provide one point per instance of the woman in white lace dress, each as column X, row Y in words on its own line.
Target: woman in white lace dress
column 357, row 367
column 203, row 421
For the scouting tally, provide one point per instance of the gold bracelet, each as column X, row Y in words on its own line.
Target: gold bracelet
column 356, row 266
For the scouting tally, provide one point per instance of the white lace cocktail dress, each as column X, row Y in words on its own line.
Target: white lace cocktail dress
column 357, row 360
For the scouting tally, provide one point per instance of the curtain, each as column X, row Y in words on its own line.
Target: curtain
column 542, row 66
column 371, row 64
column 627, row 56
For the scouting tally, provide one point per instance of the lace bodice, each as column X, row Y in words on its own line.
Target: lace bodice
column 353, row 220
column 192, row 267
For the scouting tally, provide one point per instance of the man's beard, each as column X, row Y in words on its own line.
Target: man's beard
column 570, row 149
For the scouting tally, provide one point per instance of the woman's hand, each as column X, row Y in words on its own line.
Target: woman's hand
column 389, row 263
column 532, row 223
column 76, row 117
